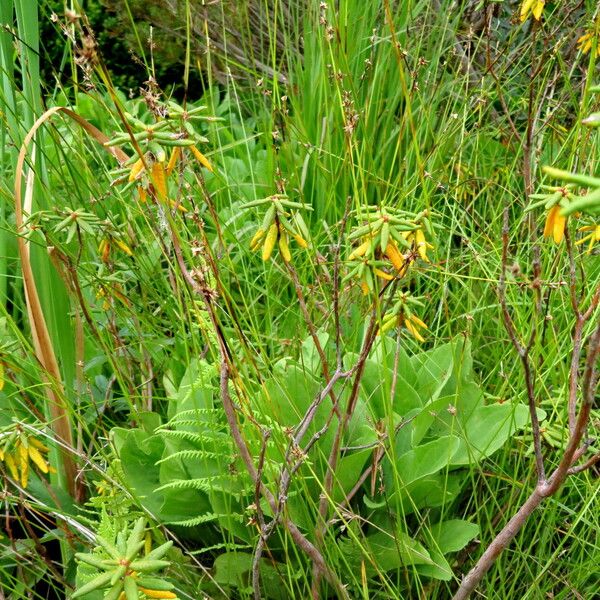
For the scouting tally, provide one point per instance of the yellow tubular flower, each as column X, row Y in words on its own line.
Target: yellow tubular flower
column 555, row 224
column 300, row 241
column 383, row 274
column 24, row 473
column 283, row 246
column 584, row 43
column 269, row 243
column 592, row 237
column 201, row 158
column 173, row 159
column 418, row 321
column 361, row 250
column 157, row 593
column 136, row 170
column 254, row 242
column 12, row 466
column 37, row 444
column 395, row 257
column 532, row 7
column 37, row 459
column 159, row 181
column 124, row 247
column 409, row 323
column 422, row 244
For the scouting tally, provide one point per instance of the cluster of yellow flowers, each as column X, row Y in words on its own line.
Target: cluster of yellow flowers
column 586, row 41
column 532, row 8
column 19, row 451
column 386, row 232
column 402, row 315
column 149, row 170
column 281, row 222
column 555, row 201
column 109, row 242
column 535, row 8
column 390, row 241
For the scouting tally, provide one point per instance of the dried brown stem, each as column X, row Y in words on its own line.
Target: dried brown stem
column 522, row 351
column 578, row 423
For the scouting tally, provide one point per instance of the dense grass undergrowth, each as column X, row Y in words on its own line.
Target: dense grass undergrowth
column 320, row 330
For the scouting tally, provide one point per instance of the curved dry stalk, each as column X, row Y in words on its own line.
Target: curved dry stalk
column 42, row 341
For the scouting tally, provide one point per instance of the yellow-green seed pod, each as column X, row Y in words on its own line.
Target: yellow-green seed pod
column 269, row 243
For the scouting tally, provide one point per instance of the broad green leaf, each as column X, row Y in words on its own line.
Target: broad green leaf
column 453, row 535
column 487, row 429
column 385, row 551
column 434, row 369
column 439, row 569
column 350, row 468
column 309, row 354
column 430, row 492
column 425, row 459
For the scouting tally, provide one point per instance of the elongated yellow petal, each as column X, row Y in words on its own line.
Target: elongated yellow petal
column 142, row 193
column 284, row 247
column 558, row 231
column 12, row 466
column 24, row 473
column 414, row 331
column 159, row 181
column 173, row 159
column 418, row 321
column 549, row 224
column 269, row 243
column 157, row 593
column 421, row 244
column 123, row 246
column 1, row 378
column 394, row 255
column 201, row 158
column 383, row 274
column 360, row 251
column 526, row 9
column 37, row 459
column 180, row 207
column 300, row 241
column 136, row 170
column 537, row 9
column 256, row 238
column 35, row 442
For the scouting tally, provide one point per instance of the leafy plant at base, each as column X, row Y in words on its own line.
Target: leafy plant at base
column 122, row 571
column 417, row 441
